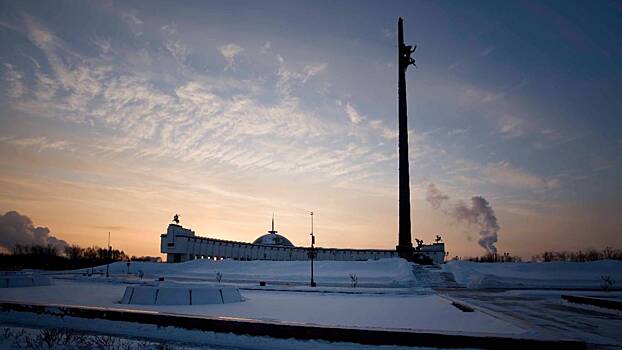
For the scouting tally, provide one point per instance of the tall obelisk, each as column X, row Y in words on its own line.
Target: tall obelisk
column 405, row 246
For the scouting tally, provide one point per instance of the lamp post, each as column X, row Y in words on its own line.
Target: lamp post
column 312, row 251
column 108, row 257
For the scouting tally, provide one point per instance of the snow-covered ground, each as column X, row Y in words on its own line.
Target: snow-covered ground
column 380, row 273
column 550, row 275
column 390, row 294
column 385, row 273
column 409, row 312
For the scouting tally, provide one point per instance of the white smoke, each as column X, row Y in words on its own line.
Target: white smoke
column 479, row 213
column 17, row 229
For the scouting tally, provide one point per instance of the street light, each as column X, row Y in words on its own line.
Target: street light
column 108, row 257
column 312, row 250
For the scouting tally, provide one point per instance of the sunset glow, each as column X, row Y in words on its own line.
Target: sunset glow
column 114, row 116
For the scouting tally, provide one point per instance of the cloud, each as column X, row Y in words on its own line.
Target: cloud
column 131, row 17
column 455, row 132
column 14, row 79
column 508, row 118
column 17, row 229
column 290, row 79
column 173, row 44
column 195, row 119
column 354, row 115
column 103, row 45
column 504, row 173
column 482, row 96
column 134, row 23
column 312, row 70
column 265, row 48
column 46, row 87
column 511, row 126
column 385, row 132
column 39, row 143
column 229, row 52
column 70, row 75
column 487, row 51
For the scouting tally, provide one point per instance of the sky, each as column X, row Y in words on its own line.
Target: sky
column 114, row 116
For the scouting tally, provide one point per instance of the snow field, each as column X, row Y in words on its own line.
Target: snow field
column 552, row 275
column 410, row 312
column 380, row 273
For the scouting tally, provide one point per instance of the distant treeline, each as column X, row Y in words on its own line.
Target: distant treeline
column 505, row 257
column 608, row 253
column 580, row 256
column 73, row 257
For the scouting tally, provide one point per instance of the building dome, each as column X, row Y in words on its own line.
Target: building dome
column 273, row 238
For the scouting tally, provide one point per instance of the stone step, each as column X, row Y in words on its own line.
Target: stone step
column 433, row 277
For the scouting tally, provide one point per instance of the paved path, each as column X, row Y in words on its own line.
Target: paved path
column 600, row 328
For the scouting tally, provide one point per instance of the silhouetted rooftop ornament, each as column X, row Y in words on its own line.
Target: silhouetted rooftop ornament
column 176, row 219
column 419, row 243
column 438, row 239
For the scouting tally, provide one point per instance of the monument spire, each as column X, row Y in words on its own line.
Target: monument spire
column 405, row 246
column 272, row 231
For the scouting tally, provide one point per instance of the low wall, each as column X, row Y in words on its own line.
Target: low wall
column 180, row 295
column 23, row 280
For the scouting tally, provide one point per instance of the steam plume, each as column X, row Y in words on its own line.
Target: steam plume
column 17, row 229
column 435, row 197
column 479, row 213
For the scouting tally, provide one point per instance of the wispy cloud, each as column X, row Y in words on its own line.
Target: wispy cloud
column 312, row 70
column 504, row 173
column 266, row 47
column 487, row 51
column 41, row 143
column 134, row 23
column 229, row 52
column 511, row 126
column 201, row 119
column 386, row 132
column 290, row 79
column 455, row 132
column 353, row 114
column 174, row 45
column 14, row 81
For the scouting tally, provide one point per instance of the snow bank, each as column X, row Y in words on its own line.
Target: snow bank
column 385, row 272
column 564, row 275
